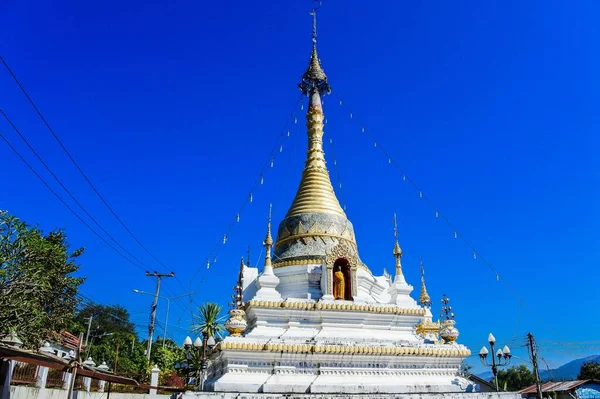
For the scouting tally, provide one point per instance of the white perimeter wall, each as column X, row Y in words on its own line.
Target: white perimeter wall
column 22, row 392
column 462, row 395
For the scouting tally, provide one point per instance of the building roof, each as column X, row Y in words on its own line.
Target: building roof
column 481, row 381
column 54, row 362
column 556, row 386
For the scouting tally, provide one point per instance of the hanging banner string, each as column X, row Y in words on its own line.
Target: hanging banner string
column 438, row 213
column 337, row 171
column 270, row 163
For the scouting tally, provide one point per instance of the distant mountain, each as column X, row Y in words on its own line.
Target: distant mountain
column 567, row 371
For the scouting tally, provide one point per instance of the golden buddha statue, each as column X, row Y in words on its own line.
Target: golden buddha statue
column 338, row 283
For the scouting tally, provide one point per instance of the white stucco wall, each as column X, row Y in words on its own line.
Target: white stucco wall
column 22, row 392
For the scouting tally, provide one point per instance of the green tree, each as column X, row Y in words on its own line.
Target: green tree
column 110, row 329
column 165, row 356
column 515, row 378
column 209, row 320
column 130, row 359
column 106, row 319
column 589, row 371
column 37, row 285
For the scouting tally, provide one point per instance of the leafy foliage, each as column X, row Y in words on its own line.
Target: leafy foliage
column 106, row 319
column 166, row 356
column 210, row 323
column 37, row 287
column 515, row 378
column 111, row 328
column 589, row 371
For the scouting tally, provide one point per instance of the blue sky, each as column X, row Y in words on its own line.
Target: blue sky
column 172, row 108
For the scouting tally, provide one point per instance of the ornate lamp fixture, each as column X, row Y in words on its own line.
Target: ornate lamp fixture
column 448, row 332
column 503, row 356
column 193, row 351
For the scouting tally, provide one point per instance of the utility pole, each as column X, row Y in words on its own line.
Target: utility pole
column 536, row 370
column 87, row 335
column 116, row 360
column 74, row 366
column 158, row 276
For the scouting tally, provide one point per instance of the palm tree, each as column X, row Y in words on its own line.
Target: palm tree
column 210, row 322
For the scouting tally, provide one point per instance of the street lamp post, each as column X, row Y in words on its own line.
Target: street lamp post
column 503, row 356
column 168, row 307
column 200, row 347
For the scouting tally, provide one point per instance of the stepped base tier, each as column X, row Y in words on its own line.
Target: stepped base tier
column 308, row 346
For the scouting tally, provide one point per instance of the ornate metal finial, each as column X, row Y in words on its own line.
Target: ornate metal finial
column 248, row 256
column 268, row 243
column 424, row 298
column 446, row 309
column 314, row 77
column 236, row 298
column 397, row 250
column 314, row 26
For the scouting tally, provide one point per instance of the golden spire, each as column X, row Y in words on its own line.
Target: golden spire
column 315, row 194
column 424, row 298
column 397, row 250
column 268, row 243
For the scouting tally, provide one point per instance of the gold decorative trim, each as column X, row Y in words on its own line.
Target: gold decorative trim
column 428, row 327
column 346, row 349
column 308, row 235
column 301, row 262
column 298, row 262
column 336, row 306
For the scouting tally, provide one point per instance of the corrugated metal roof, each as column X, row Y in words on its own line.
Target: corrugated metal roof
column 555, row 386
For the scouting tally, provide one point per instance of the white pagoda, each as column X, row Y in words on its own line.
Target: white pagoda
column 316, row 319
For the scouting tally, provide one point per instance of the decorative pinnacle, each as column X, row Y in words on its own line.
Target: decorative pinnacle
column 314, row 77
column 397, row 250
column 446, row 309
column 268, row 243
column 424, row 298
column 236, row 299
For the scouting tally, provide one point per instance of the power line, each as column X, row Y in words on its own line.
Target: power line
column 277, row 148
column 135, row 259
column 76, row 164
column 66, row 189
column 438, row 214
column 65, row 203
column 84, row 176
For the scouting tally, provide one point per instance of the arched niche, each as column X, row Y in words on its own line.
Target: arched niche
column 342, row 265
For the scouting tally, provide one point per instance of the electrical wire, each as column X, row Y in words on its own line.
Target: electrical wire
column 439, row 214
column 59, row 141
column 61, row 184
column 64, row 202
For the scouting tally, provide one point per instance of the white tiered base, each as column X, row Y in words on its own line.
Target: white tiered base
column 335, row 347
